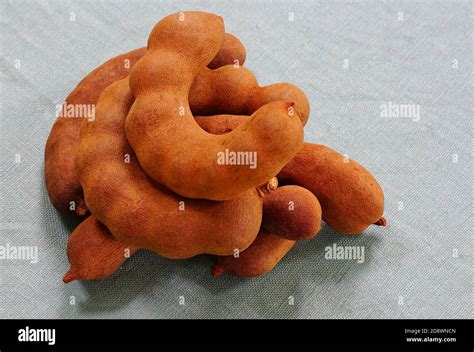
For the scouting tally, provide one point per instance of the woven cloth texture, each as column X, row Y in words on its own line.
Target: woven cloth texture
column 353, row 60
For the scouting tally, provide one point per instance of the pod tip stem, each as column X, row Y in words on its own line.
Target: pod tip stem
column 217, row 270
column 381, row 222
column 70, row 276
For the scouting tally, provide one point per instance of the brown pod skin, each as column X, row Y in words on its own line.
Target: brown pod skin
column 232, row 52
column 161, row 129
column 350, row 197
column 235, row 90
column 260, row 258
column 94, row 253
column 60, row 174
column 281, row 227
column 141, row 213
column 292, row 212
column 300, row 220
column 220, row 124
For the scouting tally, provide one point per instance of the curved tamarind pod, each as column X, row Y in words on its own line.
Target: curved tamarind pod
column 261, row 257
column 141, row 213
column 62, row 184
column 235, row 90
column 93, row 252
column 350, row 197
column 292, row 212
column 161, row 129
column 60, row 173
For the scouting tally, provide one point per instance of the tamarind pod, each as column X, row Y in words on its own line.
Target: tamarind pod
column 292, row 212
column 232, row 52
column 161, row 129
column 141, row 213
column 93, row 252
column 261, row 257
column 282, row 225
column 351, row 198
column 60, row 174
column 235, row 90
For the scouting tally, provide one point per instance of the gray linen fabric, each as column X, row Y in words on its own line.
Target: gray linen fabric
column 352, row 59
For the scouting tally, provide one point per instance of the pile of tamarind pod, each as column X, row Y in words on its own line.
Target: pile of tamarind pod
column 144, row 173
